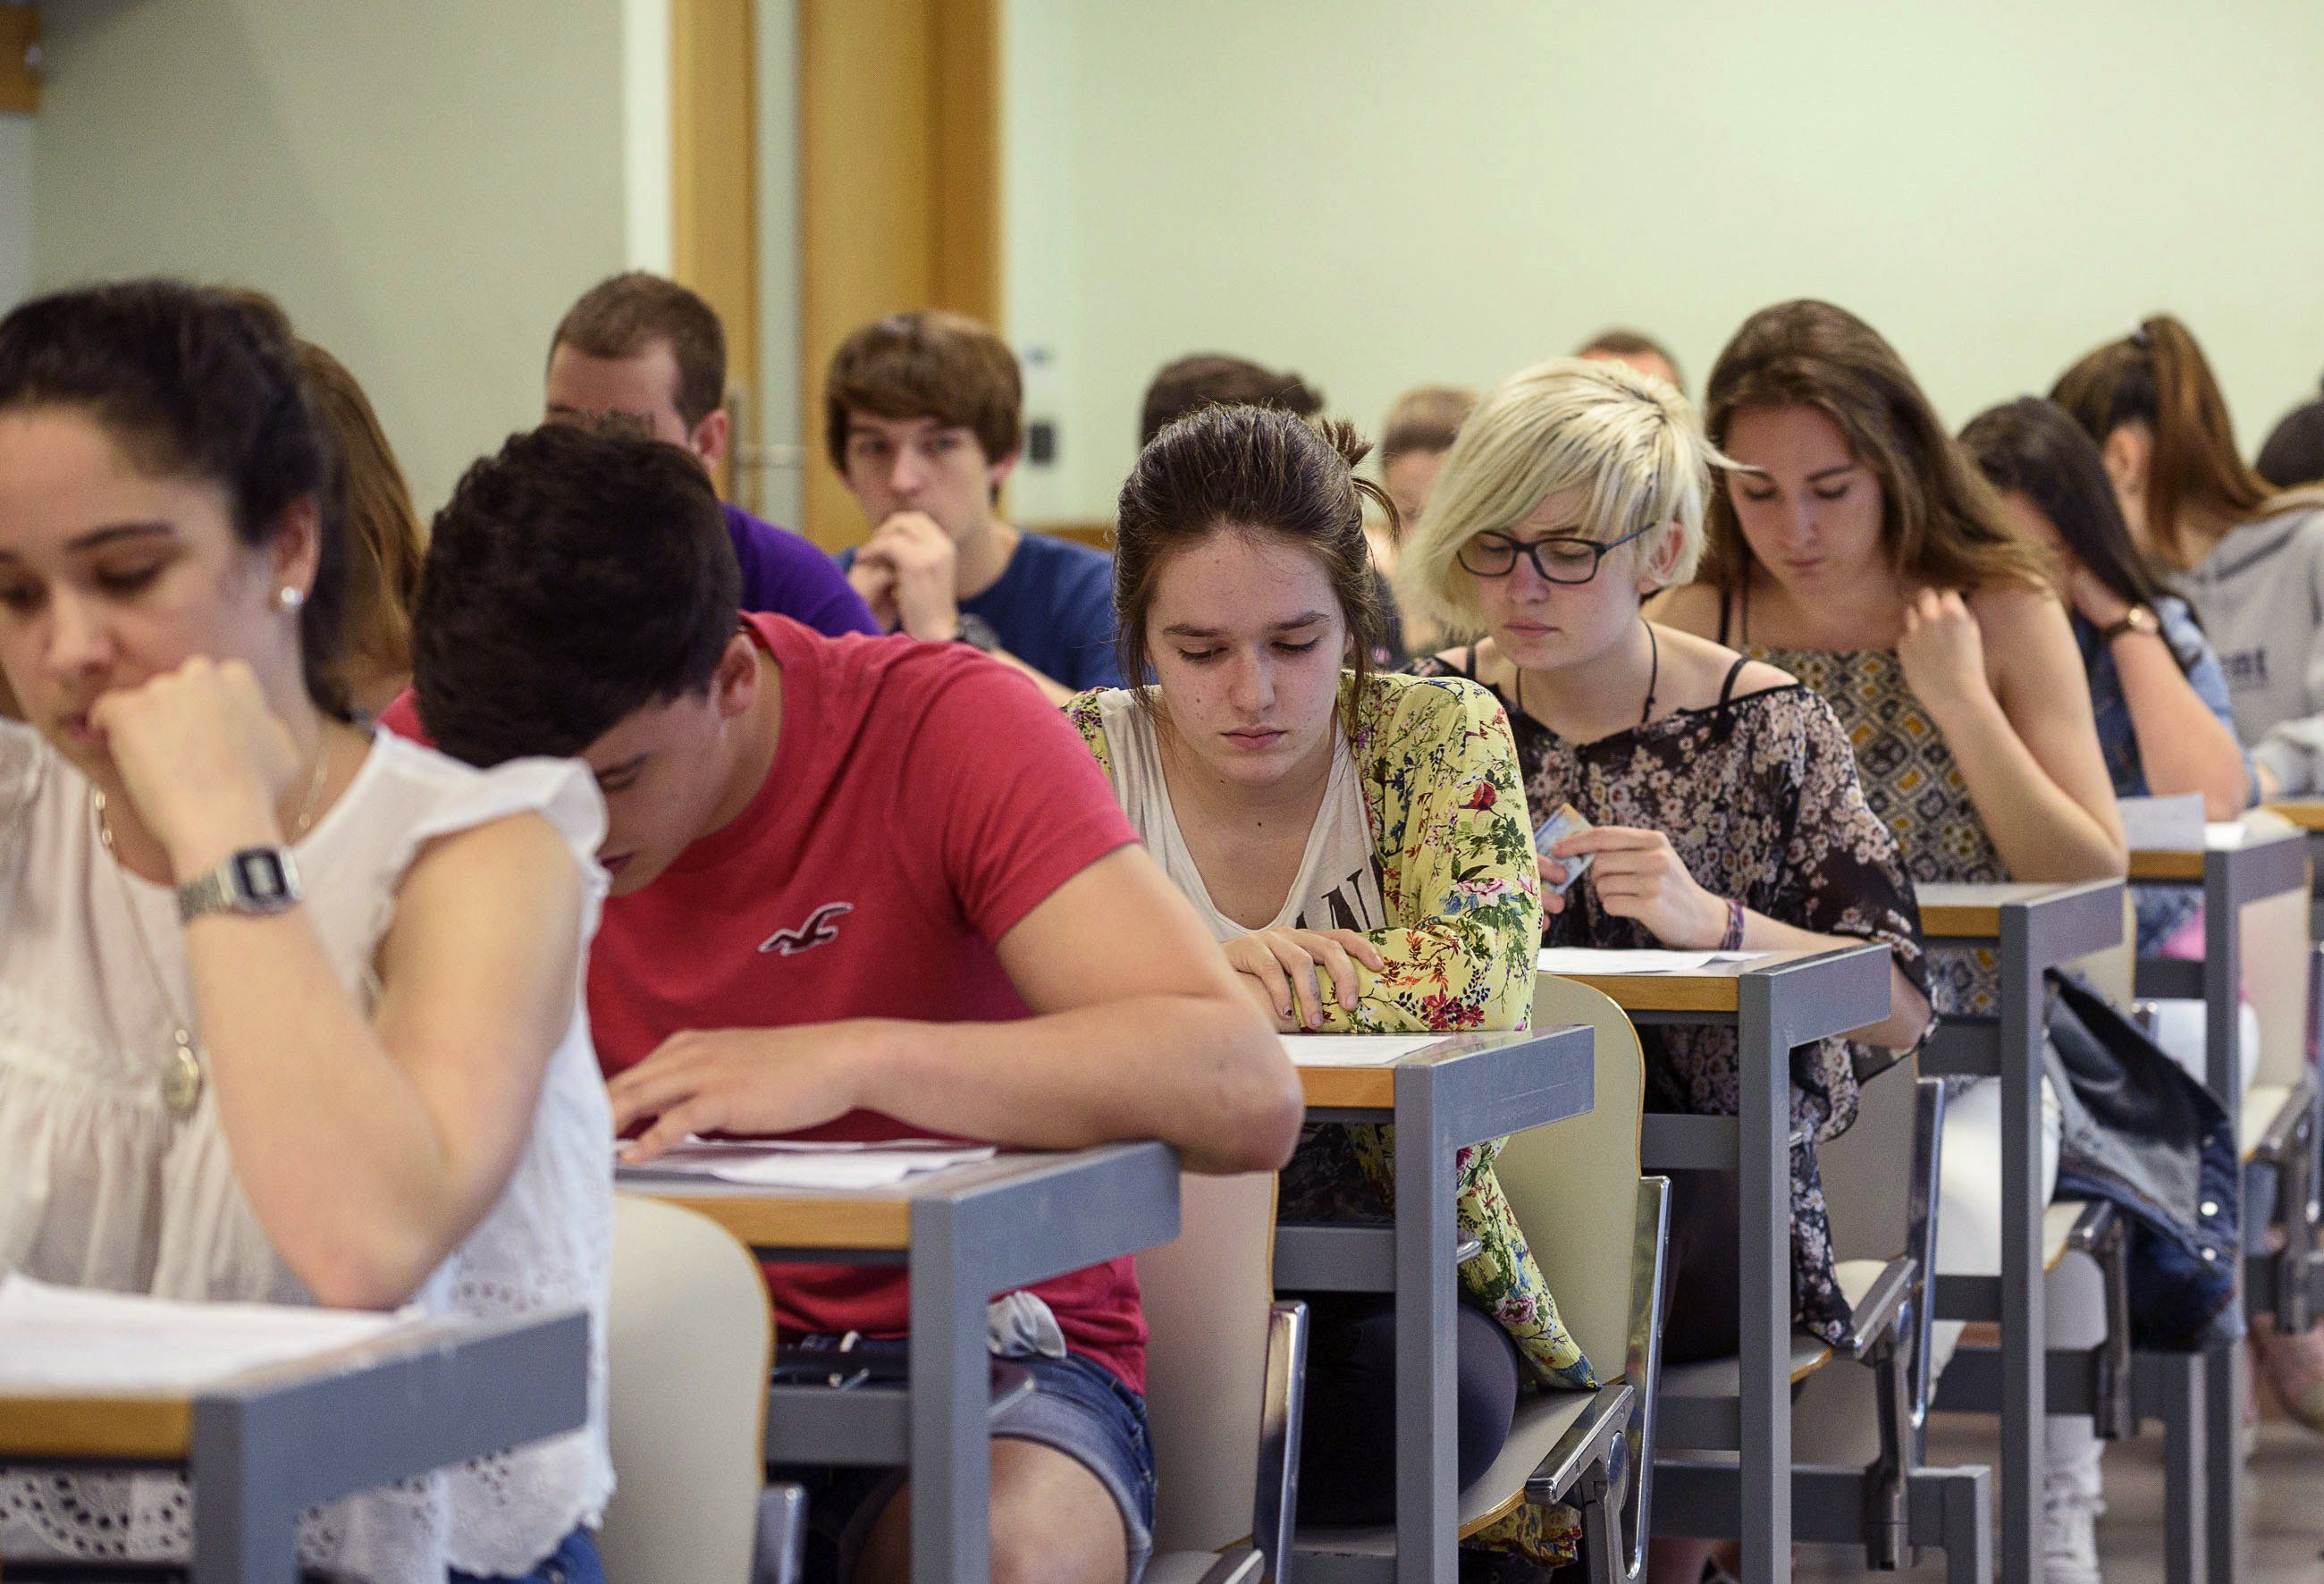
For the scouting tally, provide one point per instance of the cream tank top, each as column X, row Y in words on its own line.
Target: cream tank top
column 1338, row 885
column 101, row 1187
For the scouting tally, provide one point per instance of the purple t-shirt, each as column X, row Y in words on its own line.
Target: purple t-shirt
column 787, row 575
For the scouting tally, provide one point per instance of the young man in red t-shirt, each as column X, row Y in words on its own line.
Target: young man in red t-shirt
column 861, row 888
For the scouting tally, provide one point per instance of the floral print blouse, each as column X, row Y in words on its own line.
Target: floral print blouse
column 1759, row 798
column 1440, row 786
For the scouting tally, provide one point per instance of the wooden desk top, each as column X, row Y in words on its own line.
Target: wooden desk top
column 1708, row 988
column 866, row 1219
column 1961, row 912
column 1373, row 1088
column 2308, row 814
column 121, row 1426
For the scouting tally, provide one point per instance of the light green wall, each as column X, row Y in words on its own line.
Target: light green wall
column 425, row 185
column 1377, row 193
column 15, row 206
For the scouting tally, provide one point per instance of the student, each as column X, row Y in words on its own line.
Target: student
column 1724, row 797
column 1420, row 428
column 862, row 889
column 923, row 414
column 2159, row 697
column 641, row 347
column 2252, row 559
column 2294, row 453
column 1856, row 546
column 1634, row 350
column 287, row 1012
column 384, row 542
column 1356, row 842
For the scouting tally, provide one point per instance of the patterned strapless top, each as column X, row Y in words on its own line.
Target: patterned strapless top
column 1914, row 786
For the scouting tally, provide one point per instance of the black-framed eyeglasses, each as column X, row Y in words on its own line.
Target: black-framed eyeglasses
column 1562, row 558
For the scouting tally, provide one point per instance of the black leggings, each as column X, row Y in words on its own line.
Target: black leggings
column 1347, row 1452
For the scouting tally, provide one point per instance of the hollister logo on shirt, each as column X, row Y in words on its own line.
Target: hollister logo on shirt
column 2245, row 668
column 821, row 929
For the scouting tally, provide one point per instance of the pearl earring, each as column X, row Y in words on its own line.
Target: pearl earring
column 289, row 598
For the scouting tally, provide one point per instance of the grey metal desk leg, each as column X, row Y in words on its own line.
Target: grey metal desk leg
column 2024, row 1404
column 2185, row 1430
column 951, row 1469
column 1763, row 1183
column 1426, row 1500
column 246, row 1529
column 2222, row 1462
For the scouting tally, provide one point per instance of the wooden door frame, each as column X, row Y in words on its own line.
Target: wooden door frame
column 900, row 189
column 715, row 196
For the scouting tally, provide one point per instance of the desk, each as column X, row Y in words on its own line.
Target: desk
column 262, row 1447
column 1775, row 1002
column 961, row 1235
column 1463, row 1090
column 2308, row 815
column 2033, row 927
column 2254, row 866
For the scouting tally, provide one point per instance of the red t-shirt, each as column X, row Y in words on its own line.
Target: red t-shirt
column 923, row 800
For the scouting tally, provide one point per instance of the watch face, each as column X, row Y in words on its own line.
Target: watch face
column 258, row 875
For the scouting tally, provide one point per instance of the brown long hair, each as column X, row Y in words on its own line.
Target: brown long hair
column 384, row 544
column 1251, row 470
column 2157, row 376
column 1940, row 521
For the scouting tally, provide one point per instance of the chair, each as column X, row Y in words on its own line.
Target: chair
column 1225, row 1365
column 688, row 1344
column 1601, row 1251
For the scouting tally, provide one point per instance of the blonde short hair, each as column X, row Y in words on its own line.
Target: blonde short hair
column 1634, row 445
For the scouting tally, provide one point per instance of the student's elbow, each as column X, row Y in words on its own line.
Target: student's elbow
column 1260, row 1106
column 352, row 1273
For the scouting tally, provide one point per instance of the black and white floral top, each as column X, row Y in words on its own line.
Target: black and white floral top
column 1759, row 798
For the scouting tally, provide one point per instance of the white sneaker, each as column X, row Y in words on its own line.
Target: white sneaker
column 2070, row 1541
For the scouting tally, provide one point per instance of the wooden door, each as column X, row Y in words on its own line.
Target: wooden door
column 714, row 198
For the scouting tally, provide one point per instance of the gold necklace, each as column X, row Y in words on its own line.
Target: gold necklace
column 181, row 1083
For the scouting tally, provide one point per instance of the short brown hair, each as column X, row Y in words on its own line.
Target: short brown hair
column 1424, row 419
column 930, row 362
column 1622, row 343
column 1942, row 522
column 1215, row 379
column 1254, row 471
column 624, row 315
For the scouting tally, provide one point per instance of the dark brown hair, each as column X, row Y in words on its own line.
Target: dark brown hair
column 1426, row 417
column 2294, row 453
column 2157, row 376
column 927, row 363
column 624, row 316
column 385, row 547
column 2032, row 447
column 1623, row 343
column 1215, row 379
column 1940, row 521
column 1253, row 471
column 195, row 382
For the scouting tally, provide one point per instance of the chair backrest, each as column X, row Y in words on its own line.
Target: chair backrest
column 689, row 1345
column 1573, row 1185
column 2276, row 952
column 1208, row 1294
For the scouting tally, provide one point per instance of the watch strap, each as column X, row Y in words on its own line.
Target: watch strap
column 255, row 882
column 2137, row 618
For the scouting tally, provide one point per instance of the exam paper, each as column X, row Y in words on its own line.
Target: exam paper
column 1594, row 960
column 795, row 1163
column 75, row 1339
column 2164, row 824
column 1354, row 1050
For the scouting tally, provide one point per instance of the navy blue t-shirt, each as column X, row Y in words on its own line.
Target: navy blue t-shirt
column 1053, row 609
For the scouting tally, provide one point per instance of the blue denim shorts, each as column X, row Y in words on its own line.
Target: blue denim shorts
column 1076, row 1406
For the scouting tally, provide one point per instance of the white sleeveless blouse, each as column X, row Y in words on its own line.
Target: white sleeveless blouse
column 99, row 1187
column 1338, row 886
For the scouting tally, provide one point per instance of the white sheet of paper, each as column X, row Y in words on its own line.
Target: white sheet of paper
column 2221, row 833
column 1593, row 960
column 74, row 1338
column 790, row 1163
column 1354, row 1050
column 2164, row 824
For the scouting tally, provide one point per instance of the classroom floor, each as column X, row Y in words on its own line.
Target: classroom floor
column 2286, row 1544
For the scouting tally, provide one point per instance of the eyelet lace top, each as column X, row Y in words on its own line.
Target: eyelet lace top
column 99, row 1187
